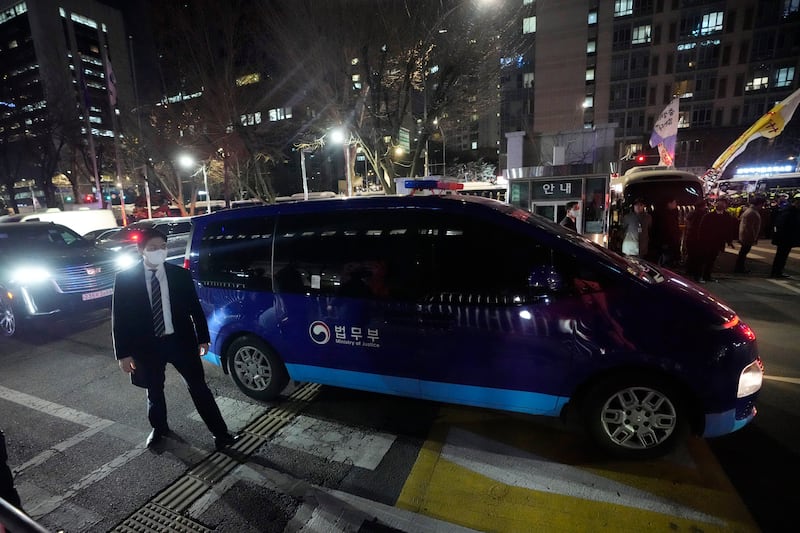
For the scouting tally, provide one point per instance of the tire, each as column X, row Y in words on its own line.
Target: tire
column 256, row 368
column 636, row 417
column 9, row 325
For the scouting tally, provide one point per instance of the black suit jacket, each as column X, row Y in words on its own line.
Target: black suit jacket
column 132, row 316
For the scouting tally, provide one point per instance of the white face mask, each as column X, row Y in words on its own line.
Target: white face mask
column 155, row 257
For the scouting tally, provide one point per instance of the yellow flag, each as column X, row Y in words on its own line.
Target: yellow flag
column 770, row 125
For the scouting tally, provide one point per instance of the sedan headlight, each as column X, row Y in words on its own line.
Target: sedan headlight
column 750, row 379
column 29, row 275
column 125, row 260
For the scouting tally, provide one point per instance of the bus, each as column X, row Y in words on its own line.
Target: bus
column 763, row 185
column 656, row 185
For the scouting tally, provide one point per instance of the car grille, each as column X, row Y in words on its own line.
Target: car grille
column 86, row 277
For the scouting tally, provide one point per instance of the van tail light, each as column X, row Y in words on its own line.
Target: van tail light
column 186, row 263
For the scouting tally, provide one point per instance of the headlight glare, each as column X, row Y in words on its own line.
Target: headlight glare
column 28, row 275
column 750, row 379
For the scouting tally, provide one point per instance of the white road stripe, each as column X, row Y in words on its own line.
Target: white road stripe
column 334, row 442
column 784, row 284
column 771, row 252
column 63, row 446
column 41, row 508
column 751, row 255
column 794, row 381
column 518, row 468
column 53, row 409
column 237, row 414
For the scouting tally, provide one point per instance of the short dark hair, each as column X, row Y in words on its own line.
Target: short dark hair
column 640, row 201
column 148, row 234
column 570, row 205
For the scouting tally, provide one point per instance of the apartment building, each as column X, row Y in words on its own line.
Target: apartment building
column 619, row 62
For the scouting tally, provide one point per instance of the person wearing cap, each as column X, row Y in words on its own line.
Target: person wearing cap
column 636, row 227
column 717, row 228
column 785, row 236
column 749, row 229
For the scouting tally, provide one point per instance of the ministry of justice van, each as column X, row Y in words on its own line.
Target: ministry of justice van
column 470, row 301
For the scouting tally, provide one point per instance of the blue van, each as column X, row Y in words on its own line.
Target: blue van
column 471, row 301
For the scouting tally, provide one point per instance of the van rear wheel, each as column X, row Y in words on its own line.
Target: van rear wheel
column 256, row 368
column 636, row 417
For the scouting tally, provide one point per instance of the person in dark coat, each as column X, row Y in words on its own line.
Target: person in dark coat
column 570, row 220
column 7, row 490
column 786, row 235
column 692, row 239
column 666, row 234
column 749, row 230
column 156, row 318
column 717, row 228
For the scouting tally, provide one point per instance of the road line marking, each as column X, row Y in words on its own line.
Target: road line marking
column 784, row 284
column 794, row 381
column 749, row 256
column 49, row 505
column 53, row 409
column 333, row 442
column 518, row 468
column 237, row 414
column 63, row 446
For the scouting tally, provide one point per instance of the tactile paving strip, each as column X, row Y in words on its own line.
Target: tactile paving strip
column 163, row 514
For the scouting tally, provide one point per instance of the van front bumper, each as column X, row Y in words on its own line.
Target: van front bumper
column 718, row 424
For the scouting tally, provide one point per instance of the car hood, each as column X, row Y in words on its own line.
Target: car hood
column 59, row 257
column 695, row 298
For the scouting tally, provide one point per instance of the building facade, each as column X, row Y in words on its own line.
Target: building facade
column 64, row 65
column 620, row 62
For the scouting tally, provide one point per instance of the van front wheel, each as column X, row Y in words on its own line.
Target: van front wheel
column 636, row 418
column 256, row 369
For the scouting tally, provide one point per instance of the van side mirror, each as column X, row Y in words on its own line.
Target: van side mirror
column 545, row 280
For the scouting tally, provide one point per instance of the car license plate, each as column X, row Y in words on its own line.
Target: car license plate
column 96, row 294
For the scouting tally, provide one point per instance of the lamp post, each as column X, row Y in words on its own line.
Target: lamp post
column 340, row 136
column 188, row 162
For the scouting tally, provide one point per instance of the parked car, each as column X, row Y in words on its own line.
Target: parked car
column 101, row 234
column 125, row 241
column 82, row 220
column 469, row 300
column 47, row 270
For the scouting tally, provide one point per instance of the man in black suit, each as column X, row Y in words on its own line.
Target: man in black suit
column 156, row 319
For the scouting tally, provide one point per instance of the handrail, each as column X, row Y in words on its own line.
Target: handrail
column 15, row 520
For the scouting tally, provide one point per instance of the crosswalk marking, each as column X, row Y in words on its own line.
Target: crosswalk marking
column 335, row 442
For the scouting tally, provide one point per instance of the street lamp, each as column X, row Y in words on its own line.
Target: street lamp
column 341, row 136
column 187, row 162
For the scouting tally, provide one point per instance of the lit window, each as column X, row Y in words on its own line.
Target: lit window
column 683, row 120
column 356, row 77
column 592, row 17
column 641, row 34
column 527, row 79
column 711, row 23
column 758, row 82
column 354, row 61
column 280, row 113
column 248, row 79
column 591, row 47
column 589, row 74
column 785, row 76
column 474, row 145
column 83, row 20
column 529, row 25
column 623, row 7
column 529, row 2
column 588, row 102
column 12, row 44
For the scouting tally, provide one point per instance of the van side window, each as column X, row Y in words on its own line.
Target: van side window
column 479, row 259
column 236, row 254
column 346, row 254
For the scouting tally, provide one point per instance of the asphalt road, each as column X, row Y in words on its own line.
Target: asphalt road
column 331, row 459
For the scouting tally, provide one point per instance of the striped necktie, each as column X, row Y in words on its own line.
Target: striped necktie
column 158, row 310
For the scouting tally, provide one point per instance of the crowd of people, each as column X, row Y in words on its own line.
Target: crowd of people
column 710, row 227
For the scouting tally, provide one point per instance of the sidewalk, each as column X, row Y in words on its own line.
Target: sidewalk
column 759, row 262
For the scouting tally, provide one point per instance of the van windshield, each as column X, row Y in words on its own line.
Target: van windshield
column 640, row 269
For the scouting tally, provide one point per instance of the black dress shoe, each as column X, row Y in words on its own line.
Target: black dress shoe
column 156, row 437
column 780, row 276
column 224, row 440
